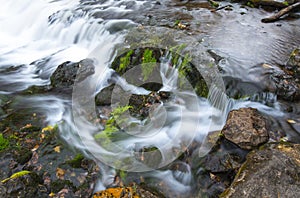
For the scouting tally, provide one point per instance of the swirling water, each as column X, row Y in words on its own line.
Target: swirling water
column 36, row 36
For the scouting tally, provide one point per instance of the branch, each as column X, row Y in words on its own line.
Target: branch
column 279, row 14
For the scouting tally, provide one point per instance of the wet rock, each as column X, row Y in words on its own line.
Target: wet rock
column 285, row 86
column 246, row 128
column 68, row 73
column 272, row 171
column 216, row 170
column 104, row 96
column 142, row 104
column 293, row 64
column 146, row 61
column 55, row 169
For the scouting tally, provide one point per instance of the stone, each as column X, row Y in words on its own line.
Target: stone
column 68, row 72
column 246, row 128
column 272, row 171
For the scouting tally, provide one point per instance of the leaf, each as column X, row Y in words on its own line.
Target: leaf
column 60, row 173
column 291, row 121
column 16, row 175
column 48, row 128
column 57, row 149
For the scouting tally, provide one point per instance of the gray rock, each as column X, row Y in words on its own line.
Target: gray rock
column 246, row 128
column 272, row 171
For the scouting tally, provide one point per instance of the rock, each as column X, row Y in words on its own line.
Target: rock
column 284, row 85
column 142, row 104
column 246, row 128
column 104, row 96
column 293, row 64
column 55, row 170
column 146, row 63
column 67, row 73
column 272, row 171
column 216, row 170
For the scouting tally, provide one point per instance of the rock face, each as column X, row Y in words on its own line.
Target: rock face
column 272, row 171
column 246, row 128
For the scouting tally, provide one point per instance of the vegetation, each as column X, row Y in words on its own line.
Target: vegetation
column 147, row 68
column 4, row 143
column 76, row 161
column 111, row 124
column 125, row 61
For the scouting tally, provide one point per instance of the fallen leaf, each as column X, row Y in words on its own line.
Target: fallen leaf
column 35, row 147
column 48, row 128
column 60, row 173
column 291, row 121
column 57, row 149
column 16, row 175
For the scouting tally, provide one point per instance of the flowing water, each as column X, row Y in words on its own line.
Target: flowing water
column 37, row 36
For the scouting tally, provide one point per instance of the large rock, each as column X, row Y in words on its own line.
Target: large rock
column 272, row 171
column 246, row 128
column 67, row 73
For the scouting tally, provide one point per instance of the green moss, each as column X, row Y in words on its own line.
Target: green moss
column 4, row 143
column 250, row 4
column 285, row 3
column 123, row 175
column 125, row 62
column 176, row 51
column 147, row 63
column 111, row 128
column 76, row 161
column 184, row 67
column 214, row 3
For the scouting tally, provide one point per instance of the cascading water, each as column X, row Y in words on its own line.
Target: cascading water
column 38, row 36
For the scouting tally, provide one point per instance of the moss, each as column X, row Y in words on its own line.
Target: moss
column 176, row 51
column 125, row 62
column 214, row 3
column 76, row 161
column 4, row 143
column 285, row 3
column 123, row 175
column 147, row 67
column 111, row 128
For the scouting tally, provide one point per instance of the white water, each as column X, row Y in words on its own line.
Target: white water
column 37, row 36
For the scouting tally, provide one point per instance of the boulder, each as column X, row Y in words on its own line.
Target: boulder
column 68, row 72
column 246, row 128
column 272, row 171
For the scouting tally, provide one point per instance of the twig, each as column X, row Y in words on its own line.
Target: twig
column 279, row 14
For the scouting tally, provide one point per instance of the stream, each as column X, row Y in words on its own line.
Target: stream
column 227, row 47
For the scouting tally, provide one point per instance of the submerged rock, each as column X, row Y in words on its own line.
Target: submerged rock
column 272, row 171
column 246, row 128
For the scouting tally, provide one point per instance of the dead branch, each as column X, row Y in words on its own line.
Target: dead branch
column 279, row 14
